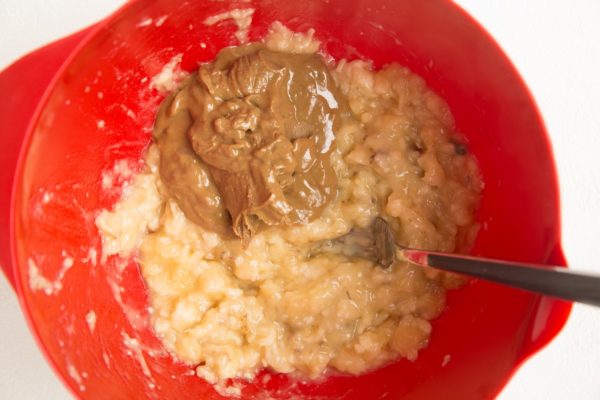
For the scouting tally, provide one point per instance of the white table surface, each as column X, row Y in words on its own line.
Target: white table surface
column 554, row 44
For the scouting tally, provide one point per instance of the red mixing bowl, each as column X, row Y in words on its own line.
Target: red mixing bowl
column 99, row 109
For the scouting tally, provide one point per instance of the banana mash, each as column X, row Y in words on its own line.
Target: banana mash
column 258, row 156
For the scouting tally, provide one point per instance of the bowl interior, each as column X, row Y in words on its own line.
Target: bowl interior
column 100, row 111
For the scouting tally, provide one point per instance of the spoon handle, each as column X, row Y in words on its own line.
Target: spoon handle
column 548, row 280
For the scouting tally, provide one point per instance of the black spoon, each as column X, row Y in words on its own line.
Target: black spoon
column 378, row 243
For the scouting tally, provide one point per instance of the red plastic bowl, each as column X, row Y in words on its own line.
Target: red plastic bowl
column 487, row 330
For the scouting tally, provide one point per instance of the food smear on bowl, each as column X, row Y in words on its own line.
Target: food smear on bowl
column 242, row 18
column 262, row 154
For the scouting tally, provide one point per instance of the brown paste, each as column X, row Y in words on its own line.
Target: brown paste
column 246, row 141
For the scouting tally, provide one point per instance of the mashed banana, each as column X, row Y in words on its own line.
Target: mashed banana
column 231, row 309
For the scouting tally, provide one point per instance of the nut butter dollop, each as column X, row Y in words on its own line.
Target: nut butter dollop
column 247, row 140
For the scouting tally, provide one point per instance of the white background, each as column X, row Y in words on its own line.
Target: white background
column 555, row 44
